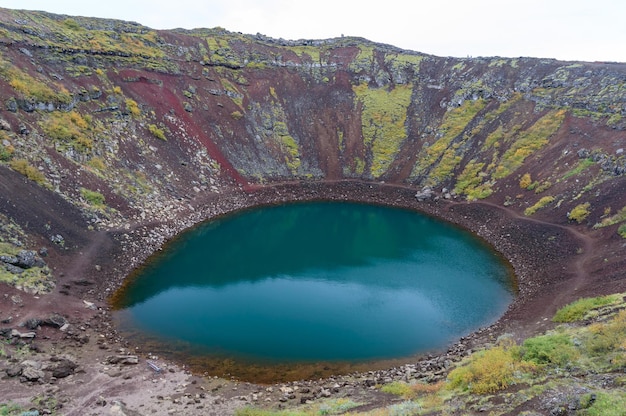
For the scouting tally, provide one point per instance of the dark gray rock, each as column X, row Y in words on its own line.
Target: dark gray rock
column 64, row 368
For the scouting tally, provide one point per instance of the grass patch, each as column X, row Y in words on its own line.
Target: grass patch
column 93, row 198
column 70, row 129
column 553, row 349
column 22, row 166
column 490, row 370
column 579, row 168
column 538, row 205
column 441, row 156
column 579, row 309
column 528, row 142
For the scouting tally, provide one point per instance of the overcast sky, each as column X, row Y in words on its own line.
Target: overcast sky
column 587, row 30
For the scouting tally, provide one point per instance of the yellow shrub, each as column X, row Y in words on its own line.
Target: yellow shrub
column 490, row 370
column 525, row 181
column 580, row 212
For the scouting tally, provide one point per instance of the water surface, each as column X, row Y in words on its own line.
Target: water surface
column 315, row 282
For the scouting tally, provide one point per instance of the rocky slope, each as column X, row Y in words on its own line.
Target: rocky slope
column 115, row 137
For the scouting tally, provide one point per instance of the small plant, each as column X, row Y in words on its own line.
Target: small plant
column 525, row 181
column 622, row 230
column 22, row 166
column 554, row 349
column 397, row 388
column 490, row 370
column 237, row 115
column 407, row 408
column 157, row 132
column 580, row 212
column 92, row 197
column 540, row 204
column 133, row 108
column 577, row 310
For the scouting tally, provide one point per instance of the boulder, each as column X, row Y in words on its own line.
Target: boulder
column 31, row 374
column 64, row 368
column 123, row 359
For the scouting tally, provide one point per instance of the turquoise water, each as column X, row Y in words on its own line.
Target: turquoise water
column 315, row 282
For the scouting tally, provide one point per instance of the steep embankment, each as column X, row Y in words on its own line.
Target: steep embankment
column 114, row 137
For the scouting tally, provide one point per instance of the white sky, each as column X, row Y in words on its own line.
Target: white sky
column 586, row 30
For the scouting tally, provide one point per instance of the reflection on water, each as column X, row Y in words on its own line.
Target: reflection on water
column 315, row 282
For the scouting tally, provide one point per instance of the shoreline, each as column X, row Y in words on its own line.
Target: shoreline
column 553, row 264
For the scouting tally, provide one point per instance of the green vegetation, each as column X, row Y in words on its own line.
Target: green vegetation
column 441, row 156
column 35, row 279
column 579, row 168
column 69, row 129
column 525, row 181
column 133, row 107
column 538, row 205
column 553, row 349
column 383, row 118
column 22, row 166
column 490, row 370
column 471, row 182
column 37, row 89
column 528, row 142
column 157, row 132
column 237, row 115
column 580, row 212
column 613, row 219
column 93, row 198
column 326, row 407
column 9, row 409
column 621, row 230
column 581, row 309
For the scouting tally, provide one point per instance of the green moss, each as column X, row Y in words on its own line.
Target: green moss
column 621, row 230
column 70, row 129
column 442, row 151
column 234, row 93
column 577, row 310
column 552, row 349
column 22, row 166
column 383, row 117
column 92, row 197
column 471, row 177
column 157, row 132
column 528, row 142
column 580, row 167
column 605, row 404
column 538, row 205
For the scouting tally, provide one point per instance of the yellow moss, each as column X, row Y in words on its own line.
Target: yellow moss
column 383, row 117
column 69, row 129
column 538, row 205
column 454, row 123
column 525, row 181
column 528, row 142
column 133, row 107
column 580, row 212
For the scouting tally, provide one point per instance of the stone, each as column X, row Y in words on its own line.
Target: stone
column 13, row 371
column 64, row 368
column 32, row 324
column 31, row 374
column 123, row 359
column 17, row 334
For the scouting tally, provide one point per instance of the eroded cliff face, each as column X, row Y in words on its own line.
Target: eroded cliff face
column 107, row 124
